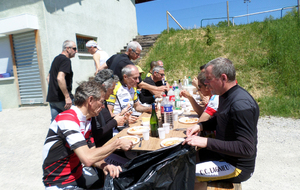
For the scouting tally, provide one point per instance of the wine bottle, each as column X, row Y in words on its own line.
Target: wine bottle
column 154, row 122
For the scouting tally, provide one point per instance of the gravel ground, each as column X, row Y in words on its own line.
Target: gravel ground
column 23, row 131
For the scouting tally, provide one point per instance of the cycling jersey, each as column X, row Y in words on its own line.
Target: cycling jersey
column 121, row 97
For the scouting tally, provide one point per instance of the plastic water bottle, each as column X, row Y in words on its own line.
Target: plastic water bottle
column 174, row 85
column 183, row 105
column 190, row 81
column 168, row 113
column 185, row 81
column 171, row 95
column 180, row 85
column 162, row 104
column 177, row 98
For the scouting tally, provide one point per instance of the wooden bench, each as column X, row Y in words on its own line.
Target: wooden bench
column 217, row 186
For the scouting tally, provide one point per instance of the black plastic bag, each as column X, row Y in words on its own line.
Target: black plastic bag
column 169, row 168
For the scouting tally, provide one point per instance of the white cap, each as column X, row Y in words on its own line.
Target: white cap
column 92, row 43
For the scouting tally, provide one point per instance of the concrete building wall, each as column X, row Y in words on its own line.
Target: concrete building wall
column 112, row 22
column 8, row 90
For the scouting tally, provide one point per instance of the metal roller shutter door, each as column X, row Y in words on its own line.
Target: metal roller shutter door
column 30, row 86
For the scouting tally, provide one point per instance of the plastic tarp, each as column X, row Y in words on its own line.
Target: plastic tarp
column 167, row 168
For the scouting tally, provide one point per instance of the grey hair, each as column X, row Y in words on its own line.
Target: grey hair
column 133, row 45
column 201, row 78
column 222, row 66
column 127, row 70
column 157, row 69
column 106, row 78
column 67, row 43
column 87, row 89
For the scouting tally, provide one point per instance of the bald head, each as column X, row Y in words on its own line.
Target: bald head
column 160, row 63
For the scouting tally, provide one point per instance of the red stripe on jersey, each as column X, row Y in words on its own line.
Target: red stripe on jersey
column 210, row 111
column 69, row 170
column 69, row 115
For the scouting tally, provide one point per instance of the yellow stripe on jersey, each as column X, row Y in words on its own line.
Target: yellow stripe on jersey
column 112, row 98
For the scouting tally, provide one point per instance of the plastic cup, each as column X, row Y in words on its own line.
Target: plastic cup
column 146, row 134
column 161, row 133
column 166, row 126
column 146, row 123
column 145, row 119
column 175, row 116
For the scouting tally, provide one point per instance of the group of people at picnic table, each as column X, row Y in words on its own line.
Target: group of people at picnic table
column 75, row 146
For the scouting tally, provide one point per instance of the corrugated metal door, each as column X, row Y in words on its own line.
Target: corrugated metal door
column 30, row 86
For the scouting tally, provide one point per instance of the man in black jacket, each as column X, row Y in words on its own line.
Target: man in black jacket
column 155, row 79
column 232, row 153
column 104, row 123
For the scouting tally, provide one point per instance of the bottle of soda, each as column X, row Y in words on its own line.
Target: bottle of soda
column 171, row 95
column 177, row 99
column 168, row 113
column 163, row 102
column 154, row 122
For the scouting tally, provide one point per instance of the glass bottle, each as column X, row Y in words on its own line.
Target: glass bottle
column 154, row 122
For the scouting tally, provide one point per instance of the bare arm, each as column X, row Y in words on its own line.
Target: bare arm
column 204, row 117
column 48, row 78
column 96, row 58
column 153, row 89
column 103, row 66
column 91, row 156
column 168, row 86
column 140, row 108
column 63, row 87
column 197, row 108
column 109, row 168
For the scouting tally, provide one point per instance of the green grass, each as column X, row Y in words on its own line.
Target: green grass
column 266, row 56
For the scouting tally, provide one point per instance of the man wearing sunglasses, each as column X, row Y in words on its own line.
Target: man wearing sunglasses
column 118, row 61
column 60, row 80
column 156, row 80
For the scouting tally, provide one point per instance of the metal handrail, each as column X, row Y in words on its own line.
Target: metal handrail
column 287, row 8
column 212, row 19
column 168, row 13
column 262, row 12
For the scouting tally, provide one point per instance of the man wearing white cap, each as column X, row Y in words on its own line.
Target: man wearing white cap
column 99, row 55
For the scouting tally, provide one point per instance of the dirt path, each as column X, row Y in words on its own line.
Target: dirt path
column 23, row 131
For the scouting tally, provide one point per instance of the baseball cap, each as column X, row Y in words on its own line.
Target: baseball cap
column 92, row 43
column 140, row 69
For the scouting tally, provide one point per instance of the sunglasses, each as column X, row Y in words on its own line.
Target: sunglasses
column 135, row 52
column 74, row 48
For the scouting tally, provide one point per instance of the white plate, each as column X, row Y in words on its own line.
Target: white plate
column 137, row 130
column 192, row 120
column 134, row 139
column 171, row 141
column 180, row 112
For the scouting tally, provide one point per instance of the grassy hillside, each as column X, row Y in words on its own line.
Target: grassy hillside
column 265, row 55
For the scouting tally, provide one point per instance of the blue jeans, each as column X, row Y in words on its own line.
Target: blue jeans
column 56, row 108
